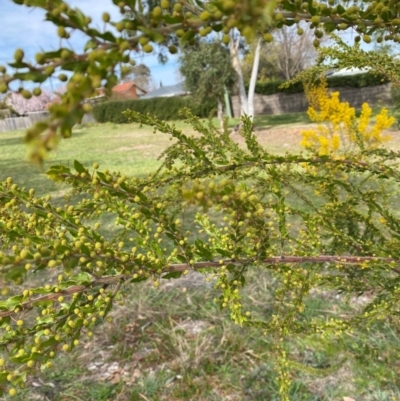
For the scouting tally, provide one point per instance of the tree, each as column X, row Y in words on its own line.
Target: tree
column 234, row 52
column 286, row 55
column 35, row 103
column 268, row 67
column 208, row 73
column 140, row 74
column 323, row 220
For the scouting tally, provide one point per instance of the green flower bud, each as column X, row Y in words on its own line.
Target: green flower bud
column 157, row 11
column 367, row 39
column 3, row 87
column 37, row 92
column 226, row 39
column 147, row 48
column 172, row 49
column 178, row 7
column 19, row 55
column 61, row 32
column 26, row 94
column 268, row 37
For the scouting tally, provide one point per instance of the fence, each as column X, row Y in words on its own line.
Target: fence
column 281, row 103
column 22, row 123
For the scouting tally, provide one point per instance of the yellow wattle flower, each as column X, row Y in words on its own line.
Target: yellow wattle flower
column 340, row 128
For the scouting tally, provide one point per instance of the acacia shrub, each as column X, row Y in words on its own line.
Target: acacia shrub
column 341, row 240
column 348, row 242
column 340, row 130
column 164, row 108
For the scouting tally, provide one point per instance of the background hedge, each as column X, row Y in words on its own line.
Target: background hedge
column 164, row 108
column 353, row 81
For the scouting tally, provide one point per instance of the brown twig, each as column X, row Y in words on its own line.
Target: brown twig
column 181, row 267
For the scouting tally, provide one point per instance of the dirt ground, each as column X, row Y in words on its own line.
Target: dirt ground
column 287, row 138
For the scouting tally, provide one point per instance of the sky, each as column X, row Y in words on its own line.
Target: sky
column 23, row 27
column 26, row 28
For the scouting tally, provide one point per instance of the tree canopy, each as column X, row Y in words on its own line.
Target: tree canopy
column 284, row 57
column 321, row 220
column 208, row 71
column 140, row 74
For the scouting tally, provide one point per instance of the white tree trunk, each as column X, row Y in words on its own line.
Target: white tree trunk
column 220, row 114
column 234, row 48
column 253, row 79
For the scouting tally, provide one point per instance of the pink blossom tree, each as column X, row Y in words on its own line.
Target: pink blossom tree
column 23, row 106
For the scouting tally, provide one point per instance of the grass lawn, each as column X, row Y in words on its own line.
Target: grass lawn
column 173, row 343
column 126, row 147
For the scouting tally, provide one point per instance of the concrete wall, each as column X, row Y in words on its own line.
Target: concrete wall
column 281, row 103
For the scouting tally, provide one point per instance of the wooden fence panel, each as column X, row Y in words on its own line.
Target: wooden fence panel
column 3, row 126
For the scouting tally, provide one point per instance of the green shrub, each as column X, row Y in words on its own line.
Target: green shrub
column 357, row 81
column 353, row 81
column 164, row 108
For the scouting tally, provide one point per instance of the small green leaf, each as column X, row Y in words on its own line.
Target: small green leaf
column 203, row 251
column 75, row 66
column 186, row 37
column 311, row 9
column 173, row 275
column 340, row 9
column 18, row 64
column 11, row 303
column 138, row 279
column 329, row 26
column 79, row 167
column 34, row 76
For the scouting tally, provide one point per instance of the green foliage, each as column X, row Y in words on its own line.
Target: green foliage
column 164, row 108
column 342, row 55
column 283, row 54
column 344, row 240
column 208, row 71
column 273, row 87
column 357, row 80
column 352, row 81
column 140, row 74
column 5, row 110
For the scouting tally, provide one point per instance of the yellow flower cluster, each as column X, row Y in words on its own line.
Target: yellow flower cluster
column 339, row 129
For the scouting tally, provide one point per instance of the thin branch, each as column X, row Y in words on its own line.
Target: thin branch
column 182, row 267
column 71, row 290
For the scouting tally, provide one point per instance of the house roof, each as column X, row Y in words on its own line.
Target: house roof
column 125, row 86
column 167, row 91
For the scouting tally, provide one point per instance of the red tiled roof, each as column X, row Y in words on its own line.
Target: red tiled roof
column 123, row 87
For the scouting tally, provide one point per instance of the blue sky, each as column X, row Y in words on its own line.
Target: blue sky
column 22, row 27
column 25, row 28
